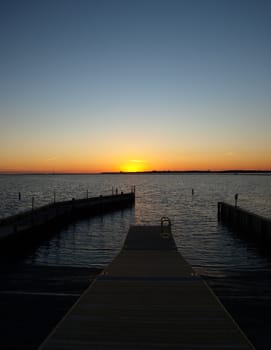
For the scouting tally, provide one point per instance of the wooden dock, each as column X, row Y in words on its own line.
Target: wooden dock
column 34, row 224
column 147, row 298
column 253, row 226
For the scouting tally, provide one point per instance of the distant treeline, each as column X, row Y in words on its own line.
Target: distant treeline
column 236, row 172
column 194, row 172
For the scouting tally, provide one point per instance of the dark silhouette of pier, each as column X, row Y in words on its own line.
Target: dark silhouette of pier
column 33, row 225
column 254, row 227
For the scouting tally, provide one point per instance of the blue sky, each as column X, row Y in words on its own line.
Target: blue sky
column 196, row 73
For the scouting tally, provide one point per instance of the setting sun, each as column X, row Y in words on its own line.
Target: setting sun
column 134, row 165
column 132, row 100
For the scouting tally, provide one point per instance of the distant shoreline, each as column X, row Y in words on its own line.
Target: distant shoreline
column 154, row 172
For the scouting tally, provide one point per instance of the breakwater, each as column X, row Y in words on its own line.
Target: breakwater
column 34, row 224
column 253, row 226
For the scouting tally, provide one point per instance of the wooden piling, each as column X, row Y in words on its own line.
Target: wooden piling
column 252, row 225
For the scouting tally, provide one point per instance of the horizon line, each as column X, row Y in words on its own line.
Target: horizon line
column 136, row 172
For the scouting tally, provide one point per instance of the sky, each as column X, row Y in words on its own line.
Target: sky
column 134, row 85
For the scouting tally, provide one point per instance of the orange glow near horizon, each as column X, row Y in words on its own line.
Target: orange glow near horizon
column 185, row 162
column 84, row 158
column 135, row 88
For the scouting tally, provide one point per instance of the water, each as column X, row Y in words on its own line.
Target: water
column 198, row 235
column 238, row 274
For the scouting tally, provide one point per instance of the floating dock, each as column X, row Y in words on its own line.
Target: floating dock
column 34, row 224
column 253, row 226
column 147, row 298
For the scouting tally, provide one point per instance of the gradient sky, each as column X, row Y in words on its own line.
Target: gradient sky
column 113, row 85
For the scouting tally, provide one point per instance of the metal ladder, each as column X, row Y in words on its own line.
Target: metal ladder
column 165, row 227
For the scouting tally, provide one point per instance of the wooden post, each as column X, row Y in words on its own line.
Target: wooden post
column 236, row 199
column 219, row 208
column 19, row 196
column 32, row 213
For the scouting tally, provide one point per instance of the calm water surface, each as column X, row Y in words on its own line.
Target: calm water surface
column 238, row 274
column 209, row 246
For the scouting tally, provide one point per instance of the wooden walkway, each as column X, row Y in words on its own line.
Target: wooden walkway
column 148, row 298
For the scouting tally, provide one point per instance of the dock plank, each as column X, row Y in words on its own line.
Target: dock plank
column 148, row 297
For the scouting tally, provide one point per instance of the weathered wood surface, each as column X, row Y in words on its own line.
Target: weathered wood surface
column 148, row 298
